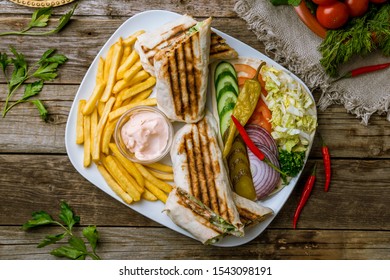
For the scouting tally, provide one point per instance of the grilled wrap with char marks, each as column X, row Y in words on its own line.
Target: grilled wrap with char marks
column 182, row 75
column 203, row 202
column 203, row 189
column 167, row 35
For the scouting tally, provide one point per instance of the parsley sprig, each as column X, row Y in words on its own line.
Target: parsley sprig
column 76, row 248
column 43, row 70
column 40, row 18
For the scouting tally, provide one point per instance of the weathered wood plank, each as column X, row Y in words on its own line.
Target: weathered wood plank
column 40, row 182
column 23, row 131
column 84, row 37
column 114, row 8
column 161, row 243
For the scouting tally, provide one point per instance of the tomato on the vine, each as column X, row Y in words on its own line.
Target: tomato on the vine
column 357, row 8
column 332, row 16
column 324, row 2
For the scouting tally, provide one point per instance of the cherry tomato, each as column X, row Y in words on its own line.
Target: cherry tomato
column 378, row 1
column 324, row 2
column 357, row 8
column 332, row 16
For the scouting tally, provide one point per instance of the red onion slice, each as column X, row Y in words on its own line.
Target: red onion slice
column 261, row 136
column 265, row 178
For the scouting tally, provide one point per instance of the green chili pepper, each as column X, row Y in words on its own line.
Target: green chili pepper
column 245, row 105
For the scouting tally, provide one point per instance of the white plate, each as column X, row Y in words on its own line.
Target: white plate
column 147, row 21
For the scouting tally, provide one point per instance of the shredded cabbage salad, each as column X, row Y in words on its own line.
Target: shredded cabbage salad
column 293, row 115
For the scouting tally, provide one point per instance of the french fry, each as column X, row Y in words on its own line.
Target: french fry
column 100, row 127
column 129, row 177
column 107, row 134
column 152, row 179
column 156, row 191
column 148, row 83
column 132, row 71
column 127, row 64
column 160, row 167
column 129, row 41
column 94, row 123
column 111, row 79
column 114, row 185
column 80, row 122
column 161, row 176
column 141, row 96
column 128, row 165
column 120, row 86
column 107, row 64
column 118, row 103
column 121, row 177
column 95, row 96
column 100, row 108
column 126, row 102
column 139, row 77
column 119, row 112
column 128, row 76
column 148, row 195
column 126, row 53
column 100, row 70
column 87, row 141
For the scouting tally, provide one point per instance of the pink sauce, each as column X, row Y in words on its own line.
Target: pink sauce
column 145, row 135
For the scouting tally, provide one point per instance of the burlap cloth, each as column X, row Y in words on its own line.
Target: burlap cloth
column 293, row 45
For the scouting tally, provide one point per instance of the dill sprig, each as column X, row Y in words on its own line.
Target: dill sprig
column 360, row 36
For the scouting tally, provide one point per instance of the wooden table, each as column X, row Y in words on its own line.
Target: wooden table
column 351, row 221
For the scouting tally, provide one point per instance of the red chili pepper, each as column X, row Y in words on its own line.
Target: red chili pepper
column 327, row 165
column 305, row 195
column 248, row 141
column 364, row 70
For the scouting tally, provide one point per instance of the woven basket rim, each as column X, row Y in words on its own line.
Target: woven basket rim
column 41, row 3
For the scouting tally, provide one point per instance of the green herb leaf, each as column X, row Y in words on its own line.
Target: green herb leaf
column 32, row 89
column 18, row 77
column 92, row 235
column 77, row 247
column 41, row 108
column 19, row 61
column 78, row 244
column 63, row 21
column 39, row 218
column 291, row 163
column 19, row 74
column 51, row 239
column 67, row 215
column 46, row 72
column 47, row 57
column 40, row 17
column 68, row 252
column 4, row 61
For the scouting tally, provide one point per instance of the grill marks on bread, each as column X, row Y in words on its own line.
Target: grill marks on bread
column 177, row 34
column 219, row 48
column 203, row 167
column 183, row 77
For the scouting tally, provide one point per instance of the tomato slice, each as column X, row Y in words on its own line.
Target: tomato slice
column 262, row 116
column 249, row 72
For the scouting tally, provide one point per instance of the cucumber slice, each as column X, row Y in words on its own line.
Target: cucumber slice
column 224, row 66
column 224, row 79
column 224, row 99
column 225, row 117
column 227, row 88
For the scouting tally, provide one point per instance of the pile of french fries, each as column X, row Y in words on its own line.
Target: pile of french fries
column 121, row 84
